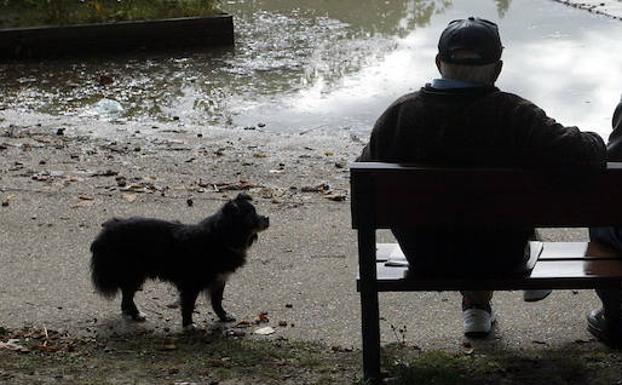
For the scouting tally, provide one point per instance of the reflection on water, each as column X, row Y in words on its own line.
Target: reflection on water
column 321, row 64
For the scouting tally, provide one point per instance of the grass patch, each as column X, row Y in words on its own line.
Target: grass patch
column 213, row 358
column 25, row 13
column 158, row 359
column 547, row 367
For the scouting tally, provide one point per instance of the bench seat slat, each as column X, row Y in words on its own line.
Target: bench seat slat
column 562, row 265
column 578, row 250
column 608, row 268
column 392, row 195
column 550, row 251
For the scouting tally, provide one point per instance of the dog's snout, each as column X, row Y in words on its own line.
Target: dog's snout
column 266, row 221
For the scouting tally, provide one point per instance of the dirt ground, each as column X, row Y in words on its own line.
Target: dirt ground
column 58, row 183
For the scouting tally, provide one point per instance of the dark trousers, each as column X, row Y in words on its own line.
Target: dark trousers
column 610, row 236
column 465, row 252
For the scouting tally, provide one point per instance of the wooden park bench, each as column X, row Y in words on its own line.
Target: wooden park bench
column 387, row 195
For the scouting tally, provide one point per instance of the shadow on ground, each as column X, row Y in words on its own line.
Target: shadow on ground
column 40, row 356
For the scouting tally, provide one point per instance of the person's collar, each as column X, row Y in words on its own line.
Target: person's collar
column 447, row 84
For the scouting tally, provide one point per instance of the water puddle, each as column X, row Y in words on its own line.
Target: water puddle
column 306, row 66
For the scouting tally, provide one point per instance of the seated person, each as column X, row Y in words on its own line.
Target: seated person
column 611, row 236
column 462, row 119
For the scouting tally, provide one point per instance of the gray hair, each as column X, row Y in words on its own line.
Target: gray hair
column 484, row 74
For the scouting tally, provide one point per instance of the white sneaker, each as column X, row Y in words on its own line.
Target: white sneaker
column 477, row 322
column 535, row 295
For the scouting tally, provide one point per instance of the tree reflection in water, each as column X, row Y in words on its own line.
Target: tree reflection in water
column 283, row 48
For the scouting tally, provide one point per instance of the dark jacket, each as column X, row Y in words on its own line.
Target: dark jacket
column 474, row 127
column 614, row 147
column 479, row 127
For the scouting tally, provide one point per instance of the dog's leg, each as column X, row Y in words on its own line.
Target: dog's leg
column 188, row 298
column 216, row 291
column 128, row 307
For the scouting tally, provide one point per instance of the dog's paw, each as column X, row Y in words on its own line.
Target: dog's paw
column 138, row 317
column 226, row 317
column 190, row 329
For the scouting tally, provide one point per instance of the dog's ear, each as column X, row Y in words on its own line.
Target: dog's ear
column 231, row 207
column 243, row 197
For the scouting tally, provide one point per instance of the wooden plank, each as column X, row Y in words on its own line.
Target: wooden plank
column 577, row 269
column 564, row 250
column 425, row 196
column 389, row 167
column 392, row 255
column 550, row 251
column 394, row 280
column 599, row 250
column 578, row 250
column 566, row 273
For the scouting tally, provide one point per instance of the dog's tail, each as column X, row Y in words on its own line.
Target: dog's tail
column 102, row 274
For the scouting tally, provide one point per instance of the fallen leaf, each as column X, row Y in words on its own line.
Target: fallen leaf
column 7, row 200
column 233, row 186
column 13, row 346
column 265, row 331
column 168, row 347
column 236, row 333
column 338, row 197
column 84, row 203
column 129, row 197
column 467, row 348
column 105, row 173
column 105, row 80
column 262, row 318
column 243, row 324
column 322, row 187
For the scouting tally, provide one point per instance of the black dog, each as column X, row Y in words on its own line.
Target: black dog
column 192, row 257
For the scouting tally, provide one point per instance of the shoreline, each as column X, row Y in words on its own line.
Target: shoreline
column 609, row 8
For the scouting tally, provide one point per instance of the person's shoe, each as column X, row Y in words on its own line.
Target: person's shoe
column 597, row 326
column 477, row 320
column 535, row 295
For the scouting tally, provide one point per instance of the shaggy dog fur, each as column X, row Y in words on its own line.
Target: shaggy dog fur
column 194, row 257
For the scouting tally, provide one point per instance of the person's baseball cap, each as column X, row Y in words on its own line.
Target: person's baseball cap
column 471, row 41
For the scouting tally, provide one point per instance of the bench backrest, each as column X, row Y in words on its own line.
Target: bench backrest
column 385, row 195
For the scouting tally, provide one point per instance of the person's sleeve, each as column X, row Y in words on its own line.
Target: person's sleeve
column 614, row 147
column 550, row 143
column 381, row 137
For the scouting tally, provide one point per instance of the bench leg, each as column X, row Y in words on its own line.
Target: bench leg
column 612, row 303
column 371, row 336
column 370, row 322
